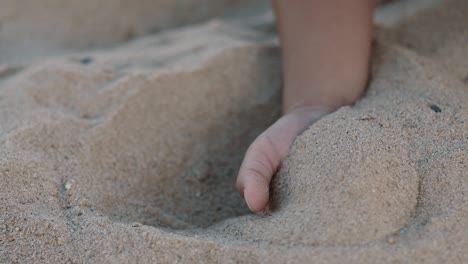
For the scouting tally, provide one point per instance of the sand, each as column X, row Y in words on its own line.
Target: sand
column 123, row 152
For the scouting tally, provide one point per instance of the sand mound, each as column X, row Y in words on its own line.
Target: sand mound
column 129, row 154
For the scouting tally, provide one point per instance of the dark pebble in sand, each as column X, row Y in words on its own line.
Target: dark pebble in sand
column 465, row 80
column 435, row 108
column 86, row 60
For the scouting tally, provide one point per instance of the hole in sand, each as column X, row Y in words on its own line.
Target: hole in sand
column 169, row 156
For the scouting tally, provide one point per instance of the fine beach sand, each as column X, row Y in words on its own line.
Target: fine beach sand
column 122, row 147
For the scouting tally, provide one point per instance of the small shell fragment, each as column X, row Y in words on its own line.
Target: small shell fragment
column 67, row 185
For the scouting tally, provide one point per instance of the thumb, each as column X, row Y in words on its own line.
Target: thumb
column 264, row 156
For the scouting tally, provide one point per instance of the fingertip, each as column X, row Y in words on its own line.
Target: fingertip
column 256, row 199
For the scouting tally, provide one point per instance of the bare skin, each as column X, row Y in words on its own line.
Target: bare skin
column 326, row 51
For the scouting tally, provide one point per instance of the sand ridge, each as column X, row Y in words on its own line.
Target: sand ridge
column 129, row 154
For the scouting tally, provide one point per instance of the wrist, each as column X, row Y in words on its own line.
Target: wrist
column 320, row 98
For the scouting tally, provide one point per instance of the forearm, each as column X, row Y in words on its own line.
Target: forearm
column 325, row 48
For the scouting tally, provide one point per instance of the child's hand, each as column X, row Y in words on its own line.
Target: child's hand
column 264, row 156
column 326, row 52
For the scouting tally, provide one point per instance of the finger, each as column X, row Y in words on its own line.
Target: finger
column 264, row 157
column 260, row 164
